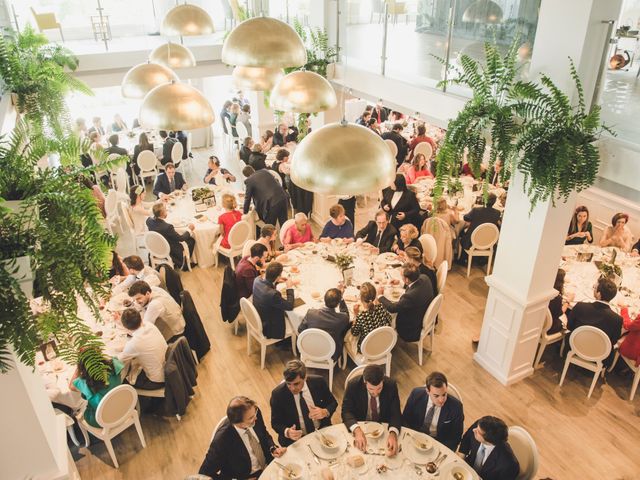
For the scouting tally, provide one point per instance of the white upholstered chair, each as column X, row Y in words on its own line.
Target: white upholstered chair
column 424, row 148
column 284, row 227
column 316, row 348
column 376, row 348
column 429, row 325
column 454, row 392
column 148, row 165
column 633, row 367
column 548, row 339
column 158, row 248
column 429, row 247
column 525, row 450
column 441, row 275
column 353, row 374
column 238, row 236
column 483, row 239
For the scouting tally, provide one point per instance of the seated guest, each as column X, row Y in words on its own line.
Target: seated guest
column 448, row 214
column 280, row 135
column 415, row 257
column 598, row 314
column 267, row 141
column 364, row 118
column 118, row 124
column 244, row 117
column 372, row 396
column 374, row 126
column 159, row 309
column 269, row 303
column 167, row 147
column 143, row 144
column 157, row 223
column 146, row 348
column 216, row 175
column 379, row 233
column 234, row 112
column 412, row 305
column 369, row 314
column 224, row 113
column 96, row 126
column 618, row 234
column 422, row 137
column 301, row 404
column 419, row 168
column 400, row 203
column 326, row 318
column 117, row 269
column 229, row 218
column 485, row 448
column 268, row 196
column 299, row 233
column 268, row 235
column 113, row 148
column 395, row 135
column 169, row 181
column 380, row 113
column 557, row 305
column 408, row 238
column 241, row 447
column 137, row 271
column 338, row 226
column 139, row 212
column 433, row 411
column 93, row 389
column 477, row 216
column 245, row 150
column 248, row 269
column 282, row 166
column 630, row 346
column 580, row 229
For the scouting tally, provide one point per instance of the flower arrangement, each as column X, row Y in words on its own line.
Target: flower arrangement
column 201, row 194
column 344, row 261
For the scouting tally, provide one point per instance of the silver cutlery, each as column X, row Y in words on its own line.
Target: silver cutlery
column 287, row 470
column 315, row 457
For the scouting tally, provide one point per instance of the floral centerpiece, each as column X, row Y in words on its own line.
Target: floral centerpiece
column 610, row 270
column 201, row 194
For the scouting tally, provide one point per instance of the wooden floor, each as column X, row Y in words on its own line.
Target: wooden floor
column 577, row 438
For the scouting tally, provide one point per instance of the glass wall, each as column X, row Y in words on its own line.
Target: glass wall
column 364, row 21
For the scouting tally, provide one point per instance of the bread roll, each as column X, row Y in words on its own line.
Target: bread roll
column 355, row 461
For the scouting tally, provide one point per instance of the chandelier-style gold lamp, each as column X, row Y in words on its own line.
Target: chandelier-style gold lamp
column 483, row 11
column 175, row 106
column 261, row 79
column 173, row 55
column 343, row 159
column 303, row 92
column 143, row 78
column 264, row 42
column 186, row 20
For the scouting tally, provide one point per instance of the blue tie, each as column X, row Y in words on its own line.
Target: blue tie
column 477, row 465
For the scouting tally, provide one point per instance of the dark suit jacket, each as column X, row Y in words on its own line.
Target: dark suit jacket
column 501, row 464
column 411, row 308
column 271, row 307
column 476, row 217
column 169, row 233
column 162, row 184
column 283, row 406
column 599, row 315
column 224, row 114
column 117, row 150
column 245, row 153
column 257, row 160
column 278, row 139
column 400, row 142
column 388, row 238
column 167, row 146
column 408, row 204
column 334, row 323
column 450, row 421
column 356, row 402
column 381, row 116
column 228, row 458
column 265, row 191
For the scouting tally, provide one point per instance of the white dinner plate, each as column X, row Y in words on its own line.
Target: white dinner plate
column 446, row 473
column 370, row 427
column 321, row 451
column 414, row 455
column 388, row 257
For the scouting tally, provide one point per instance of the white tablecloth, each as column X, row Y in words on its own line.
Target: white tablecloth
column 463, row 201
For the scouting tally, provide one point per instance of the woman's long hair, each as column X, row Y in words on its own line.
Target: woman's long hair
column 573, row 228
column 143, row 141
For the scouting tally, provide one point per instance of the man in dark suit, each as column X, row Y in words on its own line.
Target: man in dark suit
column 158, row 224
column 167, row 147
column 374, row 397
column 380, row 113
column 245, row 150
column 257, row 158
column 477, row 216
column 334, row 323
column 485, row 448
column 599, row 314
column 433, row 411
column 268, row 196
column 413, row 303
column 301, row 404
column 225, row 114
column 168, row 181
column 96, row 127
column 396, row 137
column 269, row 303
column 281, row 136
column 379, row 233
column 241, row 447
column 114, row 148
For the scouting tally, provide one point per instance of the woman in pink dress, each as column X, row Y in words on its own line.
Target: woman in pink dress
column 229, row 218
column 419, row 168
column 299, row 233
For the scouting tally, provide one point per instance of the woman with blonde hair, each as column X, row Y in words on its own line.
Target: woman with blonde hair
column 299, row 233
column 408, row 238
column 228, row 219
column 369, row 315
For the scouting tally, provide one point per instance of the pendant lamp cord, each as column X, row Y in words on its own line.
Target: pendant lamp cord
column 344, row 65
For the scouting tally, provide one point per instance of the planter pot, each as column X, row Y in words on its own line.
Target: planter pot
column 20, row 269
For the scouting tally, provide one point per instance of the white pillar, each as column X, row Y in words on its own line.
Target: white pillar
column 262, row 116
column 531, row 244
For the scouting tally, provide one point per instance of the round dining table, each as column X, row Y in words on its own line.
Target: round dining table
column 329, row 453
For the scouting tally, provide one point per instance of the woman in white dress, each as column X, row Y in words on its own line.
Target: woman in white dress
column 139, row 212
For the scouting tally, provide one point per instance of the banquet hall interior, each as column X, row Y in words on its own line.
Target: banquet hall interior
column 290, row 239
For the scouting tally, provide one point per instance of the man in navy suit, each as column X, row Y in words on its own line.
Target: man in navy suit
column 269, row 303
column 433, row 411
column 485, row 448
column 169, row 181
column 158, row 224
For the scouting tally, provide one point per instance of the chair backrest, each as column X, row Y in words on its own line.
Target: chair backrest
column 176, row 153
column 453, row 391
column 246, row 250
column 354, row 373
column 124, row 212
column 116, row 406
column 379, row 342
column 284, row 227
column 251, row 315
column 392, row 147
column 276, row 175
column 316, row 345
column 429, row 319
column 590, row 343
column 423, row 148
column 111, row 203
column 485, row 236
column 242, row 130
column 525, row 450
column 121, row 180
column 157, row 245
column 429, row 247
column 217, row 427
column 45, row 21
column 548, row 320
column 239, row 234
column 110, row 158
column 441, row 275
column 147, row 161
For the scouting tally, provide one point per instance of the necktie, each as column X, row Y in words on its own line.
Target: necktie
column 373, row 406
column 426, row 427
column 308, row 423
column 477, row 465
column 256, row 448
column 172, row 184
column 378, row 238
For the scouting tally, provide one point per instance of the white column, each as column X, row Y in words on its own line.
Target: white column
column 261, row 115
column 531, row 243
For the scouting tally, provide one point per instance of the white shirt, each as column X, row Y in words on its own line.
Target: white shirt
column 163, row 311
column 355, row 425
column 488, row 448
column 255, row 465
column 433, row 428
column 148, row 274
column 395, row 199
column 147, row 347
column 306, row 394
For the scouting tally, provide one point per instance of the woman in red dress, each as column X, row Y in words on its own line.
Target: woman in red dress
column 229, row 218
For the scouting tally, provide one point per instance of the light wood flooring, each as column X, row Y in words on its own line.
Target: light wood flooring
column 577, row 438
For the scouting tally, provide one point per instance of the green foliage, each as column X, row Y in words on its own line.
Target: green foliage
column 39, row 74
column 344, row 261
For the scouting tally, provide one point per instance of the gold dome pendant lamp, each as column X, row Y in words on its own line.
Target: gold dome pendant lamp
column 143, row 78
column 186, row 20
column 264, row 42
column 175, row 106
column 173, row 55
column 303, row 92
column 343, row 159
column 261, row 79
